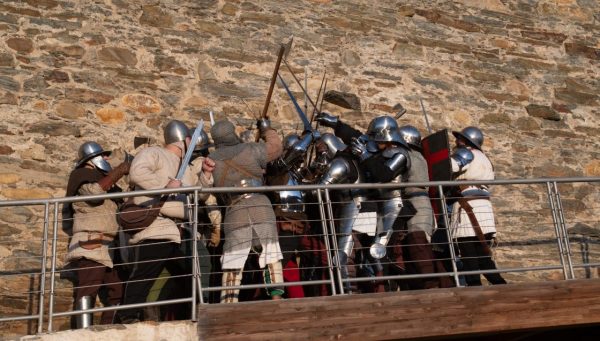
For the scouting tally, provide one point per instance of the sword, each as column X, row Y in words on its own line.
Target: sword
column 425, row 114
column 188, row 154
column 307, row 125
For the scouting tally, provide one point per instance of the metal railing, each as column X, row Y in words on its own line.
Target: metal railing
column 540, row 223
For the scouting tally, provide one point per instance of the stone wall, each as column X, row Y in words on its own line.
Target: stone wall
column 185, row 331
column 526, row 72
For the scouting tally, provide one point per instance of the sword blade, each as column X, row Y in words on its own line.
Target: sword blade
column 307, row 125
column 188, row 154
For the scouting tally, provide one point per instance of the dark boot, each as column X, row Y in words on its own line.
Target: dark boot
column 422, row 259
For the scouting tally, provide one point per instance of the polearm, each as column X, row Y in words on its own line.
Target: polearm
column 299, row 84
column 324, row 86
column 312, row 117
column 273, row 80
column 425, row 114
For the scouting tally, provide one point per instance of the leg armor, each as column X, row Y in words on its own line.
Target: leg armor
column 85, row 320
column 389, row 211
column 231, row 278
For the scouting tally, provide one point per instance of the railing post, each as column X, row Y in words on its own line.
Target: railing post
column 559, row 241
column 53, row 267
column 326, row 237
column 448, row 234
column 336, row 250
column 43, row 268
column 565, row 235
column 195, row 284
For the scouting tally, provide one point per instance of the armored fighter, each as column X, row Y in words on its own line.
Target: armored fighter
column 419, row 226
column 249, row 219
column 386, row 162
column 473, row 223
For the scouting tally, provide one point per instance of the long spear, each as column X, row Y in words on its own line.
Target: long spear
column 271, row 86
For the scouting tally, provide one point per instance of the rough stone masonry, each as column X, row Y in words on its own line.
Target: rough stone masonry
column 526, row 72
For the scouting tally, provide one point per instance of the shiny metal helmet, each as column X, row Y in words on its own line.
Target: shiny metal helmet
column 410, row 135
column 91, row 151
column 384, row 129
column 334, row 144
column 290, row 140
column 176, row 131
column 472, row 135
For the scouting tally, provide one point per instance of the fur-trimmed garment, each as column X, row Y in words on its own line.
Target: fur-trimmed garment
column 94, row 222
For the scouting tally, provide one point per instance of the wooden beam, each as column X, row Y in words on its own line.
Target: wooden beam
column 410, row 314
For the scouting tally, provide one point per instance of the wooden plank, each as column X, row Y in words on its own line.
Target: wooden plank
column 412, row 314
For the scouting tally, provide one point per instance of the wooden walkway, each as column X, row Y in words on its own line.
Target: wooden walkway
column 406, row 315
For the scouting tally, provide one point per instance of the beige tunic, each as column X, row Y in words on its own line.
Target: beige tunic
column 93, row 221
column 153, row 168
column 478, row 169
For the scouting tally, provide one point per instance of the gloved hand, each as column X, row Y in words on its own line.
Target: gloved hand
column 114, row 175
column 263, row 125
column 359, row 149
column 327, row 120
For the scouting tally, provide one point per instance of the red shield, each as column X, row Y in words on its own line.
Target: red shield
column 436, row 149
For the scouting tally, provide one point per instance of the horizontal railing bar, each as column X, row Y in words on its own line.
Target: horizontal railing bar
column 213, row 190
column 19, row 318
column 123, row 307
column 264, row 285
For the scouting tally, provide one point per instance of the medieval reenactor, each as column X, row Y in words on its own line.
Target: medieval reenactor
column 383, row 155
column 91, row 250
column 249, row 221
column 352, row 209
column 473, row 225
column 290, row 208
column 420, row 226
column 157, row 246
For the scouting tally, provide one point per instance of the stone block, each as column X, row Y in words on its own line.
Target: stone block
column 119, row 55
column 154, row 16
column 111, row 115
column 342, row 99
column 542, row 111
column 20, row 44
column 88, row 96
column 9, row 178
column 70, row 110
column 8, row 98
column 229, row 9
column 24, row 193
column 53, row 128
column 579, row 49
column 141, row 103
column 571, row 96
column 9, row 84
column 592, row 168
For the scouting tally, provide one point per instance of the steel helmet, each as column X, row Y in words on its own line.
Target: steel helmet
column 91, row 151
column 334, row 144
column 384, row 129
column 472, row 135
column 410, row 135
column 176, row 131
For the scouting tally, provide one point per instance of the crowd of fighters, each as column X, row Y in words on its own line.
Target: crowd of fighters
column 278, row 237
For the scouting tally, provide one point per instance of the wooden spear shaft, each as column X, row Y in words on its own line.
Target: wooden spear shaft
column 273, row 80
column 271, row 86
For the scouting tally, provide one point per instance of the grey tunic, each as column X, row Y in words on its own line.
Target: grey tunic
column 248, row 220
column 418, row 196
